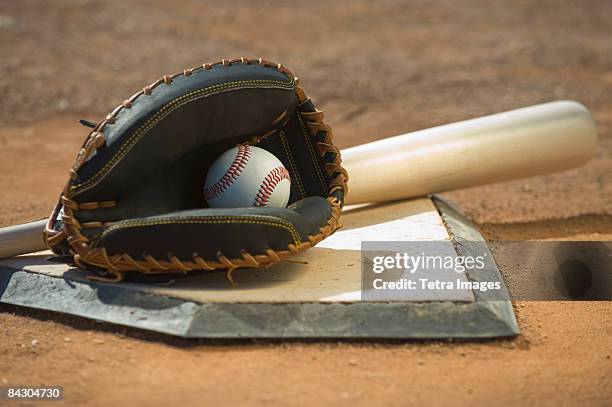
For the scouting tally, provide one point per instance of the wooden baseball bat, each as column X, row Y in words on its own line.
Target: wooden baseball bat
column 520, row 143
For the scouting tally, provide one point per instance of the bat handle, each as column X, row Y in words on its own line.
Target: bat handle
column 22, row 239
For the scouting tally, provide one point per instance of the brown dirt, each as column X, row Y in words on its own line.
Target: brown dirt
column 376, row 69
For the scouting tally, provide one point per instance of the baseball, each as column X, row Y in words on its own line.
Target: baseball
column 247, row 176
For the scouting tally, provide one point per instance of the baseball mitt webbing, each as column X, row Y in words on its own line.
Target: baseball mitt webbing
column 134, row 201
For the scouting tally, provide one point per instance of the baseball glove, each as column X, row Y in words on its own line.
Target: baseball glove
column 134, row 201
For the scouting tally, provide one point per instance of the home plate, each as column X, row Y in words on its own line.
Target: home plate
column 320, row 295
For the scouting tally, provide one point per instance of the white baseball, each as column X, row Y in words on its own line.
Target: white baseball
column 247, row 176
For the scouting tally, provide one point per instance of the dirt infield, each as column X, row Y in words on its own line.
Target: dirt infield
column 376, row 70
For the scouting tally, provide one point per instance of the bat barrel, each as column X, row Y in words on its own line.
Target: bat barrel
column 520, row 143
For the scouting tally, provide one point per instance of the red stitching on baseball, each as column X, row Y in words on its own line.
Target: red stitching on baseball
column 230, row 176
column 274, row 177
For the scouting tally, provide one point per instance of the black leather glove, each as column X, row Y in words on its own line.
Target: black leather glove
column 134, row 200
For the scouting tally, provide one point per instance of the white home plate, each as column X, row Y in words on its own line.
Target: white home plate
column 318, row 294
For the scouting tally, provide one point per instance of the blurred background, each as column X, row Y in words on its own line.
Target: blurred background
column 376, row 69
